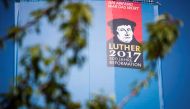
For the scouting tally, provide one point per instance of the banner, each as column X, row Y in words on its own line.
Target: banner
column 124, row 34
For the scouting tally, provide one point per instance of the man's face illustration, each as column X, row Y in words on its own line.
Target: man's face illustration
column 125, row 33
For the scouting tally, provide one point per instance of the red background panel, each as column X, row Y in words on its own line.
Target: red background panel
column 133, row 15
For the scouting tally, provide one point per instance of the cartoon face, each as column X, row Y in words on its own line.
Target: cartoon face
column 125, row 33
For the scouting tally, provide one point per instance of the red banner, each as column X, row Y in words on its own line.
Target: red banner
column 124, row 34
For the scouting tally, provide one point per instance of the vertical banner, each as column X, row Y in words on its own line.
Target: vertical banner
column 124, row 34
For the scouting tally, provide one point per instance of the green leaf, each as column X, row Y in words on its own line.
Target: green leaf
column 37, row 14
column 35, row 51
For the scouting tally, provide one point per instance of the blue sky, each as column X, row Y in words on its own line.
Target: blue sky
column 175, row 66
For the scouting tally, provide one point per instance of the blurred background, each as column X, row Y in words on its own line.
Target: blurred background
column 174, row 67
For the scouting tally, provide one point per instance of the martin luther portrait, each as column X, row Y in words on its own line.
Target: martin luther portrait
column 123, row 49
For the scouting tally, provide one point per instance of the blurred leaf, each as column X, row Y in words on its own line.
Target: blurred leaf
column 6, row 3
column 37, row 14
column 13, row 32
column 48, row 61
column 101, row 102
column 35, row 51
column 163, row 34
column 1, row 43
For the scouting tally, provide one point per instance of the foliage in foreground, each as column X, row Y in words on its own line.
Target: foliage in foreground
column 41, row 83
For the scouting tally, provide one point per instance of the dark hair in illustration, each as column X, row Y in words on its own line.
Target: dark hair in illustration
column 121, row 21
